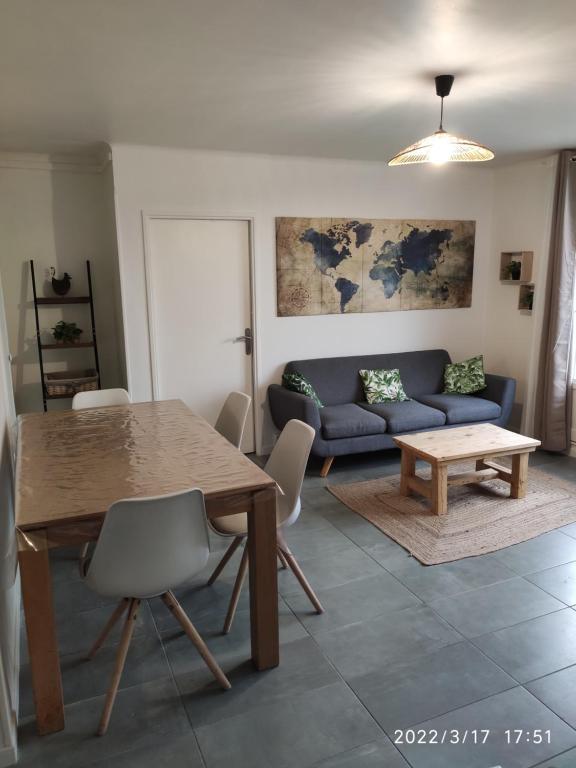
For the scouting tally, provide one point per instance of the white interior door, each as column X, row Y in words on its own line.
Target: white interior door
column 200, row 305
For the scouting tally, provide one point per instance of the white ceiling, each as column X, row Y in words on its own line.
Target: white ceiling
column 335, row 78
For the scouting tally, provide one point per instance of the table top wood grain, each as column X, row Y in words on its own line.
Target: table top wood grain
column 457, row 443
column 72, row 465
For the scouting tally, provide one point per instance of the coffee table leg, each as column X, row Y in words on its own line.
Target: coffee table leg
column 407, row 470
column 439, row 489
column 519, row 475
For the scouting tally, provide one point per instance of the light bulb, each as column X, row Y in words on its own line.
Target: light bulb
column 440, row 149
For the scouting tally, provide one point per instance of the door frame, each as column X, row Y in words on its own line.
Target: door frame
column 147, row 218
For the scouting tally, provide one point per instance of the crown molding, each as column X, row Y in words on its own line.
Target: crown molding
column 96, row 162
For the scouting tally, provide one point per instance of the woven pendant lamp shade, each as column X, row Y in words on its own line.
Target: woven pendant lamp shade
column 442, row 147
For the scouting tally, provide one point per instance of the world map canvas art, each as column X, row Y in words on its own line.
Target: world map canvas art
column 332, row 266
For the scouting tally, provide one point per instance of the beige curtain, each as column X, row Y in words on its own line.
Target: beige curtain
column 554, row 398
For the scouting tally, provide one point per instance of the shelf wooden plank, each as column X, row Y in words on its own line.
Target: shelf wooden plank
column 74, row 345
column 64, row 300
column 59, row 397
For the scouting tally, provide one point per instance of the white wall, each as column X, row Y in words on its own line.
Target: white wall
column 58, row 218
column 523, row 200
column 523, row 203
column 158, row 180
column 9, row 585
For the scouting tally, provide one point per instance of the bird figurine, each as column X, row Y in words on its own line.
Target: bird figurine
column 62, row 286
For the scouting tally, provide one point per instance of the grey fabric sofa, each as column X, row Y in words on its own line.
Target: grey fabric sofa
column 348, row 424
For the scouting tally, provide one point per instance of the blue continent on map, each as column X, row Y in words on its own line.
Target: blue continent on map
column 332, row 247
column 326, row 255
column 419, row 251
column 347, row 289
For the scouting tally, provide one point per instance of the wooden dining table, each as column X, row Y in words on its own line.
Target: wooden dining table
column 72, row 465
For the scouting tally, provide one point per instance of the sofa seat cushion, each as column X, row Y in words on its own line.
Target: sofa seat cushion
column 462, row 408
column 349, row 421
column 407, row 416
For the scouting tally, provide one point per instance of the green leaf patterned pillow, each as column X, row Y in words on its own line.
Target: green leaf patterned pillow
column 297, row 383
column 466, row 377
column 383, row 386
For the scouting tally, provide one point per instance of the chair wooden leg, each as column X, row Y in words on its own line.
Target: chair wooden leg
column 227, row 555
column 240, row 576
column 120, row 661
column 282, row 559
column 179, row 614
column 326, row 466
column 295, row 568
column 118, row 611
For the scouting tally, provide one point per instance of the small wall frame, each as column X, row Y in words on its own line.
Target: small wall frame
column 516, row 266
column 526, row 298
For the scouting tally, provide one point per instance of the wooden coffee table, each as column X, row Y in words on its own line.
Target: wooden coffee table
column 441, row 448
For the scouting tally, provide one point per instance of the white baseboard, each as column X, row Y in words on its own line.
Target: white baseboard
column 8, row 756
column 17, row 604
column 9, row 693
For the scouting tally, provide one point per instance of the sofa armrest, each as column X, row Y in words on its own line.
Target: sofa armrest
column 501, row 390
column 286, row 405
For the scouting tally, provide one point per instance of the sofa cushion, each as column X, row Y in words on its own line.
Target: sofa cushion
column 465, row 378
column 463, row 408
column 382, row 386
column 337, row 382
column 349, row 421
column 407, row 416
column 295, row 382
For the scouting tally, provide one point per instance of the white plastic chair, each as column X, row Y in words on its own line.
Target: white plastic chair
column 99, row 398
column 232, row 418
column 287, row 465
column 146, row 548
column 95, row 399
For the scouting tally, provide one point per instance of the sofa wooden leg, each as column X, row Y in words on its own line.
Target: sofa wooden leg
column 326, row 466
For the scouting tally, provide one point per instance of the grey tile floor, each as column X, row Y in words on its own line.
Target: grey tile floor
column 402, row 653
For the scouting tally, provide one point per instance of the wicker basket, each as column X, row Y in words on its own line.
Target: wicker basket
column 68, row 383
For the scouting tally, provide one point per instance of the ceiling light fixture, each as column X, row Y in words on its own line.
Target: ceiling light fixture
column 442, row 147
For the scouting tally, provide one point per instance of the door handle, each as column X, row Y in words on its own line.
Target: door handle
column 248, row 340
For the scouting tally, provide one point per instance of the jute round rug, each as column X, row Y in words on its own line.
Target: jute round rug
column 481, row 518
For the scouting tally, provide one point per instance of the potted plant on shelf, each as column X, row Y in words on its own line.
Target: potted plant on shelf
column 513, row 270
column 60, row 286
column 66, row 333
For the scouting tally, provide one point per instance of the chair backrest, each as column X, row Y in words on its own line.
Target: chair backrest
column 100, row 397
column 232, row 418
column 287, row 465
column 148, row 546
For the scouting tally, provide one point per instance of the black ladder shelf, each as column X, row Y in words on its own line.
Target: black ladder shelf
column 62, row 301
